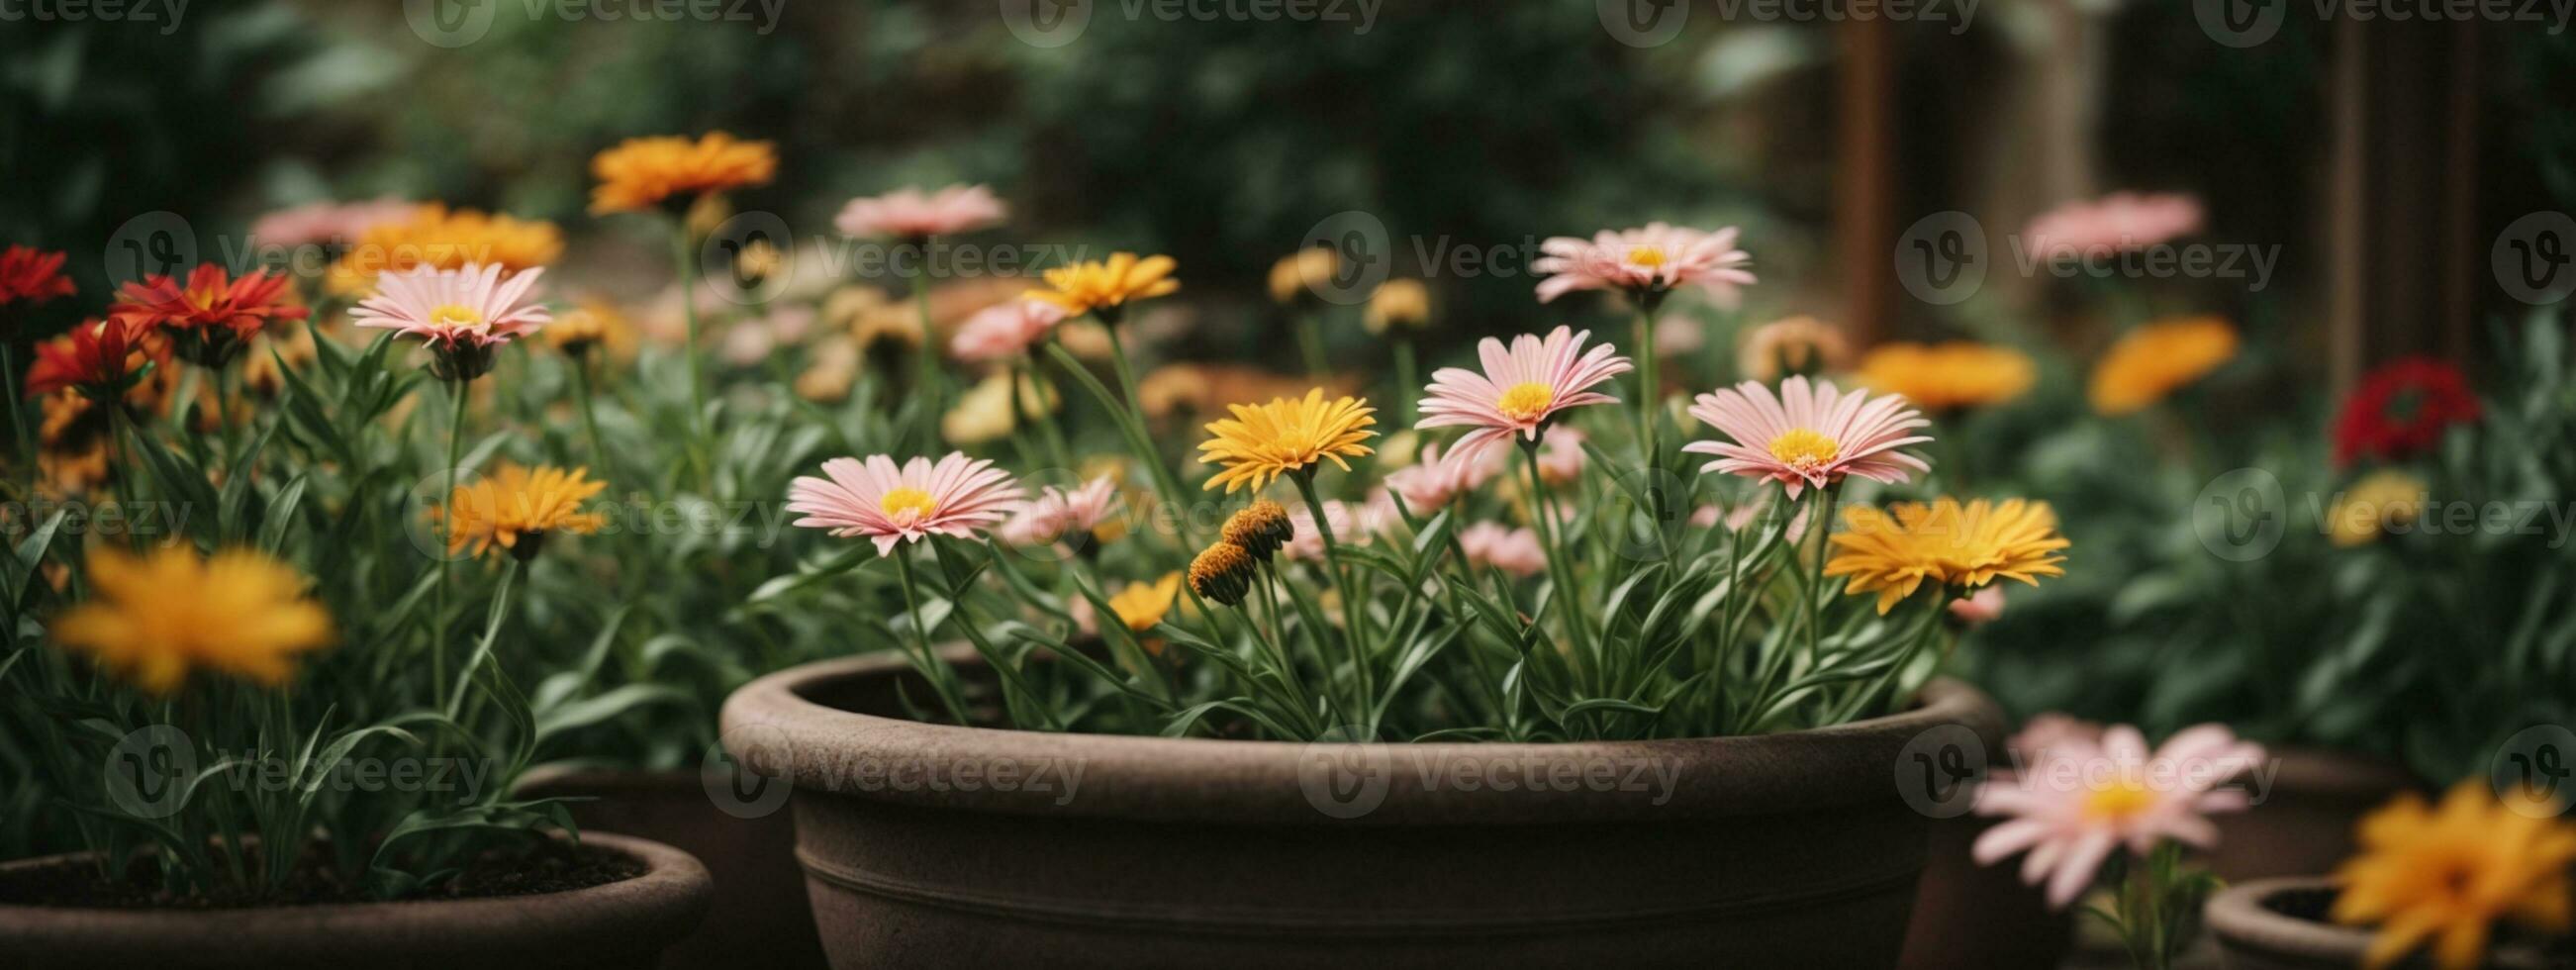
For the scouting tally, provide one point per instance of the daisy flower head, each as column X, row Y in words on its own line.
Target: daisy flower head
column 1969, row 546
column 1004, row 331
column 641, row 173
column 155, row 617
column 1519, row 388
column 2121, row 221
column 1260, row 528
column 1949, row 376
column 212, row 315
column 1105, row 288
column 515, row 507
column 1139, row 606
column 2148, row 364
column 909, row 213
column 1397, row 303
column 1286, row 436
column 1791, row 345
column 2381, row 499
column 31, row 276
column 1810, row 435
column 441, row 238
column 461, row 314
column 2444, row 876
column 1645, row 263
column 1306, row 273
column 2075, row 803
column 956, row 496
column 102, row 358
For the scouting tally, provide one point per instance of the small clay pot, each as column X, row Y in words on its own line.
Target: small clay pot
column 931, row 845
column 759, row 916
column 2304, row 823
column 616, row 926
column 2254, row 931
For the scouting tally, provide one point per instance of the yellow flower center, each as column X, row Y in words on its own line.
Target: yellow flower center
column 1526, row 401
column 454, row 316
column 1805, row 450
column 204, row 299
column 907, row 499
column 1646, row 256
column 2120, row 801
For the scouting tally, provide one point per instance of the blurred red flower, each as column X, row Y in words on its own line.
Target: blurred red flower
column 98, row 357
column 211, row 298
column 2401, row 409
column 31, row 277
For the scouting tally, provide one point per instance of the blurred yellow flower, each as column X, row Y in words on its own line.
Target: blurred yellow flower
column 834, row 370
column 594, row 324
column 438, row 237
column 2371, row 505
column 2149, row 363
column 1398, row 303
column 1302, row 274
column 1949, row 376
column 640, row 173
column 151, row 619
column 2446, row 876
column 1264, row 441
column 1893, row 553
column 985, row 412
column 1141, row 605
column 1107, row 287
column 515, row 507
column 1791, row 345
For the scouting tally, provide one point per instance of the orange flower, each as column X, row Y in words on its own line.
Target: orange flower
column 99, row 357
column 644, row 172
column 211, row 316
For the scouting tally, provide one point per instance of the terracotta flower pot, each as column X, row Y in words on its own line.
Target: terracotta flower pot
column 936, row 846
column 2268, row 924
column 619, row 925
column 2305, row 821
column 759, row 915
column 1973, row 917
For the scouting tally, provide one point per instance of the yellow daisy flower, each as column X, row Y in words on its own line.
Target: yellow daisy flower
column 1094, row 286
column 2446, row 875
column 1398, row 303
column 1141, row 605
column 1262, row 442
column 152, row 619
column 1308, row 271
column 593, row 325
column 2366, row 509
column 641, row 173
column 515, row 507
column 440, row 238
column 2149, row 363
column 1949, row 376
column 1893, row 553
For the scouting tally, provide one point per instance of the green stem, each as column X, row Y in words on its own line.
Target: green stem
column 590, row 415
column 926, row 360
column 1353, row 633
column 1648, row 402
column 447, row 557
column 940, row 677
column 1132, row 417
column 1310, row 345
column 687, row 264
column 1543, row 508
column 17, row 415
column 1406, row 384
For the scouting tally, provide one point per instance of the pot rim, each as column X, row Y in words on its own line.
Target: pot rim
column 674, row 886
column 772, row 725
column 2239, row 919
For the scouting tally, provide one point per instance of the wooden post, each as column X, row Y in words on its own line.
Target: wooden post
column 1865, row 177
column 2404, row 250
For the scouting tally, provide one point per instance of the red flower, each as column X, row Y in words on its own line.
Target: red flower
column 31, row 277
column 2401, row 409
column 98, row 357
column 213, row 315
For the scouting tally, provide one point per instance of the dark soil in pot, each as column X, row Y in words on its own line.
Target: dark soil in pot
column 760, row 916
column 614, row 903
column 552, row 868
column 937, row 845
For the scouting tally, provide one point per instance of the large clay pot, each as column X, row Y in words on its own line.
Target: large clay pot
column 1973, row 917
column 2303, row 825
column 759, row 916
column 941, row 846
column 2270, row 924
column 616, row 926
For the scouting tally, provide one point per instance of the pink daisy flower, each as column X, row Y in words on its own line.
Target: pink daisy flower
column 2116, row 222
column 1353, row 525
column 909, row 214
column 1655, row 259
column 2079, row 799
column 1514, row 551
column 1520, row 389
column 1561, row 455
column 1004, row 331
column 1809, row 435
column 954, row 498
column 1430, row 484
column 1979, row 608
column 471, row 307
column 1757, row 513
column 1056, row 513
column 328, row 223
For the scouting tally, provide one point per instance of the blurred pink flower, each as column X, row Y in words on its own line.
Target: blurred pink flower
column 1519, row 390
column 1679, row 335
column 1749, row 513
column 1655, row 258
column 327, row 223
column 791, row 323
column 1514, row 551
column 1983, row 606
column 1056, row 512
column 2114, row 223
column 1352, row 526
column 1004, row 331
column 1431, row 484
column 907, row 213
column 2080, row 800
column 1561, row 455
column 472, row 306
column 1809, row 434
column 955, row 497
column 748, row 343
